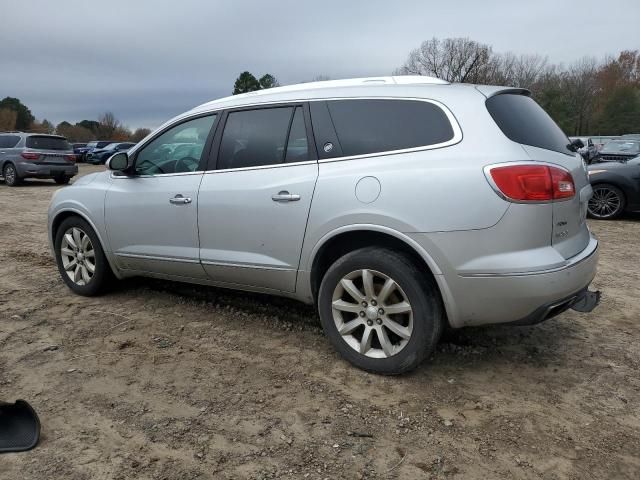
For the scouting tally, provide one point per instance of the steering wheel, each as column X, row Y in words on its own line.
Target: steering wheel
column 189, row 164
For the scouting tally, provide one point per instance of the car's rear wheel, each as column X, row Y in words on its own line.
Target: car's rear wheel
column 62, row 179
column 10, row 174
column 379, row 311
column 80, row 258
column 607, row 202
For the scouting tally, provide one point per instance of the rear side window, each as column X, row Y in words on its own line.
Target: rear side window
column 253, row 138
column 372, row 126
column 8, row 141
column 522, row 120
column 47, row 143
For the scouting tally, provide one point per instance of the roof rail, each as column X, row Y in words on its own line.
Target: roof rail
column 351, row 82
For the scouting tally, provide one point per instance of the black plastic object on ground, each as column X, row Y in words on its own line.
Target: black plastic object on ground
column 19, row 427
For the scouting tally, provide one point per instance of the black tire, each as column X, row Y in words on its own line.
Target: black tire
column 419, row 290
column 10, row 174
column 608, row 202
column 62, row 179
column 102, row 276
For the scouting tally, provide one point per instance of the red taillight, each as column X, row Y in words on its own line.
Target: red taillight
column 533, row 183
column 30, row 155
column 71, row 158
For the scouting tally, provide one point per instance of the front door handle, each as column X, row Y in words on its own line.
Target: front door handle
column 285, row 196
column 180, row 200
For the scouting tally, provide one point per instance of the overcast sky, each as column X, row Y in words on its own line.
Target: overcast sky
column 149, row 60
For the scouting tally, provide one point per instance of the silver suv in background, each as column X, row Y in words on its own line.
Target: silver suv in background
column 35, row 155
column 396, row 205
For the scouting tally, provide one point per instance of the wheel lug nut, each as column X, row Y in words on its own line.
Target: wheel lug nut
column 379, row 321
column 362, row 314
column 364, row 304
column 381, row 311
column 369, row 322
column 374, row 303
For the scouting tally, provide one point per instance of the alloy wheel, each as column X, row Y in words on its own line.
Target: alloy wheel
column 604, row 203
column 78, row 256
column 10, row 174
column 372, row 313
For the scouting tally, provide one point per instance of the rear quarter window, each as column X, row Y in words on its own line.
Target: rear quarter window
column 522, row 120
column 9, row 141
column 374, row 126
column 47, row 143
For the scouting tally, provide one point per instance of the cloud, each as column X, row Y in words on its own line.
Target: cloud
column 149, row 60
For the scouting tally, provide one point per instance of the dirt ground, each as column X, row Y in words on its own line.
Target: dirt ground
column 158, row 380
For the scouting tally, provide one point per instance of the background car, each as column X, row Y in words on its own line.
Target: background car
column 79, row 149
column 34, row 155
column 95, row 145
column 100, row 156
column 620, row 150
column 616, row 188
column 601, row 141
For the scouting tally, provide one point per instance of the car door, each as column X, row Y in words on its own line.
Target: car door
column 254, row 204
column 151, row 214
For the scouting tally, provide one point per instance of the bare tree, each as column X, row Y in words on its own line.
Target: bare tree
column 451, row 59
column 582, row 88
column 522, row 71
column 139, row 134
column 108, row 125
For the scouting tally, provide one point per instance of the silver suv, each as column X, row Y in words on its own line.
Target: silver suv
column 396, row 205
column 35, row 155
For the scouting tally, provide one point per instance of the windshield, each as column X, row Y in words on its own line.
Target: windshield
column 622, row 146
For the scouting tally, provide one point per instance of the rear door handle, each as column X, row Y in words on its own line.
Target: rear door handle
column 285, row 196
column 180, row 200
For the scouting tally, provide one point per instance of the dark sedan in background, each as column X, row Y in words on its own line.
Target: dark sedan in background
column 616, row 188
column 100, row 156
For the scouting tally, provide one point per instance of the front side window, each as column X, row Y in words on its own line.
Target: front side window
column 380, row 125
column 265, row 136
column 177, row 150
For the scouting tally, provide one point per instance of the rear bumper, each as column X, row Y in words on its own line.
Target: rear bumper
column 35, row 170
column 522, row 298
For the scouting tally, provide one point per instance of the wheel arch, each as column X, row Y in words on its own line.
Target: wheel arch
column 62, row 215
column 341, row 241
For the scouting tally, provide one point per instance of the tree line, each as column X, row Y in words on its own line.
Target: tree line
column 587, row 97
column 14, row 115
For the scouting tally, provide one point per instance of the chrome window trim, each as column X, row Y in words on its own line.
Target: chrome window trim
column 178, row 174
column 457, row 132
column 261, row 167
column 455, row 126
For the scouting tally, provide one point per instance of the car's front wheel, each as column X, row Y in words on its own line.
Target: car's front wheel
column 380, row 311
column 607, row 202
column 80, row 258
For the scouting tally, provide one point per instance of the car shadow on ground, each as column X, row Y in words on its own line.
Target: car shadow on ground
column 474, row 347
column 33, row 183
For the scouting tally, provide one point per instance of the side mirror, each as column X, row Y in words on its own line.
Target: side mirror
column 118, row 162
